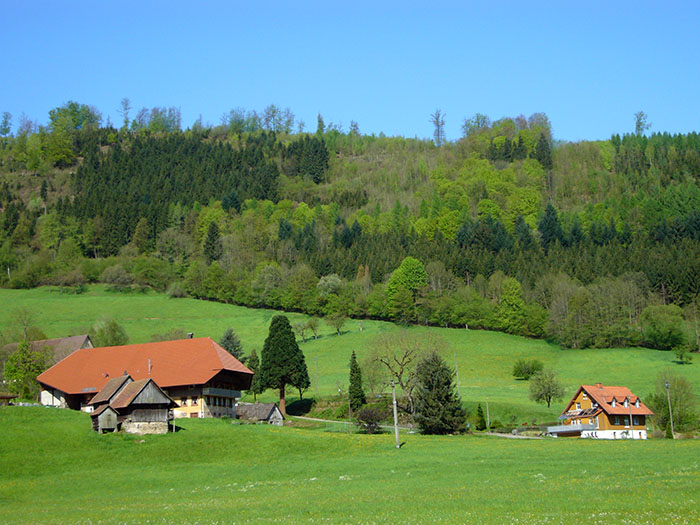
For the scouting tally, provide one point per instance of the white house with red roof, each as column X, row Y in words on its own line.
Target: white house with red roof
column 603, row 412
column 203, row 378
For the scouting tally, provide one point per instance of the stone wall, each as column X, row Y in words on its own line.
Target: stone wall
column 153, row 427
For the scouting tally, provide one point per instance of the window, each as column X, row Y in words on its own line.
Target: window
column 194, row 401
column 584, row 396
column 636, row 403
column 617, row 420
column 183, row 402
column 578, row 406
column 613, row 403
column 627, row 421
column 590, row 421
column 625, row 402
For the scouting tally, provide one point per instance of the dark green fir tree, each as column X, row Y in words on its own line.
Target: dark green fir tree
column 438, row 405
column 355, row 391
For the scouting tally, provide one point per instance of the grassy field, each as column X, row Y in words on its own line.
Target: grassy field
column 55, row 469
column 484, row 359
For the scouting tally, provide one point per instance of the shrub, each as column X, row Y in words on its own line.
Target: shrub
column 526, row 368
column 369, row 419
column 176, row 291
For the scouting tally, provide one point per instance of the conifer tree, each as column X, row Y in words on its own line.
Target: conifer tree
column 543, row 152
column 232, row 344
column 355, row 391
column 282, row 361
column 253, row 363
column 480, row 419
column 212, row 244
column 438, row 405
column 550, row 228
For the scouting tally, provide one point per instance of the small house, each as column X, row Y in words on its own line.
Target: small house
column 105, row 418
column 260, row 413
column 603, row 412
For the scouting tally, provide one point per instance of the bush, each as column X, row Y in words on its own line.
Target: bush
column 369, row 419
column 176, row 291
column 526, row 368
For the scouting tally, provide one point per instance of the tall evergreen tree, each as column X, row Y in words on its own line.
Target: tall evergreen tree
column 543, row 152
column 232, row 344
column 438, row 405
column 282, row 360
column 253, row 363
column 212, row 244
column 355, row 391
column 550, row 228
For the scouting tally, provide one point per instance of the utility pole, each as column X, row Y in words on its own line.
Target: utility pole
column 488, row 416
column 456, row 370
column 629, row 403
column 396, row 415
column 349, row 412
column 670, row 414
column 316, row 363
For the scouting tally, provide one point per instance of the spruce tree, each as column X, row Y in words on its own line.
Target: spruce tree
column 550, row 228
column 480, row 419
column 438, row 405
column 232, row 344
column 212, row 244
column 253, row 363
column 282, row 361
column 543, row 152
column 355, row 391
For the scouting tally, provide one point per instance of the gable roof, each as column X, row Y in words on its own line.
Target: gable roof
column 169, row 363
column 101, row 409
column 604, row 395
column 111, row 387
column 132, row 390
column 61, row 347
column 259, row 411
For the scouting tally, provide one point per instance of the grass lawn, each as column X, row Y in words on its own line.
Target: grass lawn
column 484, row 359
column 55, row 469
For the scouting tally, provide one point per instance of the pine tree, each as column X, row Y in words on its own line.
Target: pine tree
column 355, row 391
column 438, row 406
column 550, row 228
column 282, row 361
column 480, row 419
column 253, row 363
column 543, row 152
column 232, row 344
column 212, row 244
column 140, row 239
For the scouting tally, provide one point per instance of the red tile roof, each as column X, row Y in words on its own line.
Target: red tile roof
column 603, row 395
column 172, row 363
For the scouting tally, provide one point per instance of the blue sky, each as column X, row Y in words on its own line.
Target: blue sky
column 387, row 66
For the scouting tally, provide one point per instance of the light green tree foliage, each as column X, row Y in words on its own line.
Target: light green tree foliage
column 511, row 309
column 544, row 387
column 108, row 332
column 410, row 274
column 60, row 143
column 23, row 366
column 662, row 326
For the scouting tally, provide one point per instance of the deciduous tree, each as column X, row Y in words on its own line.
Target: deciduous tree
column 544, row 387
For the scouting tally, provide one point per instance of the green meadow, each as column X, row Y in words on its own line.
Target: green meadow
column 55, row 469
column 484, row 360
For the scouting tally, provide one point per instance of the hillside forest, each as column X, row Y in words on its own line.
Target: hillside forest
column 589, row 244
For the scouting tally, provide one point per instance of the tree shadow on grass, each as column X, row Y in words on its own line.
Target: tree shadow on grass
column 300, row 407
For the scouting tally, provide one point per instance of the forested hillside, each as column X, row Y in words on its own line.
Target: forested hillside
column 589, row 243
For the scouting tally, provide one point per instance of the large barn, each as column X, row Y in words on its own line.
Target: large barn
column 203, row 378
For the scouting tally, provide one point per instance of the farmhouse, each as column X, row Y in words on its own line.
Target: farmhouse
column 260, row 413
column 137, row 407
column 60, row 348
column 603, row 412
column 203, row 378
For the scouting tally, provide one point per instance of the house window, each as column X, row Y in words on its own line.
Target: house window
column 578, row 406
column 627, row 421
column 590, row 421
column 636, row 403
column 183, row 402
column 194, row 401
column 617, row 420
column 614, row 403
column 584, row 396
column 625, row 403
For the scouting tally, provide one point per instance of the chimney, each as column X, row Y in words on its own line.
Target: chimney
column 599, row 385
column 149, row 366
column 190, row 335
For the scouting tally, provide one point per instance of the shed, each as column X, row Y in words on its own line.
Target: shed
column 260, row 413
column 143, row 408
column 105, row 418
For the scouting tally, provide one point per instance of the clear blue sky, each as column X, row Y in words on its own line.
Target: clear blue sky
column 387, row 66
